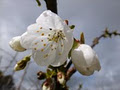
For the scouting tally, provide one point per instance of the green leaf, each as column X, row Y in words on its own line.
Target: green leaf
column 38, row 2
column 75, row 44
column 72, row 26
column 82, row 39
column 50, row 73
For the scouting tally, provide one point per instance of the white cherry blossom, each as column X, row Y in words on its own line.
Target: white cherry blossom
column 50, row 39
column 85, row 60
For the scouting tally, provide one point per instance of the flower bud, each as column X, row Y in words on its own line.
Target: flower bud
column 15, row 44
column 61, row 78
column 22, row 63
column 41, row 75
column 85, row 59
column 48, row 84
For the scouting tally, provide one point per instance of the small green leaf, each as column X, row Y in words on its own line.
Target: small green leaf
column 50, row 73
column 72, row 26
column 75, row 44
column 38, row 2
column 22, row 63
column 82, row 39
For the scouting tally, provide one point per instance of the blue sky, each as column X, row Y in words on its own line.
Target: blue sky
column 89, row 16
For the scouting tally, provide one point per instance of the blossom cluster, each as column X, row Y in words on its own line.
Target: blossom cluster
column 51, row 40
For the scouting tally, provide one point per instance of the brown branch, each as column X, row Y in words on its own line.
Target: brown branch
column 51, row 5
column 13, row 59
column 106, row 34
column 6, row 52
column 96, row 40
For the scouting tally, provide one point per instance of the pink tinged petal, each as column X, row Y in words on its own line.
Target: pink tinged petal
column 85, row 60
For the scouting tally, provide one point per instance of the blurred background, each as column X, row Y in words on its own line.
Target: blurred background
column 88, row 16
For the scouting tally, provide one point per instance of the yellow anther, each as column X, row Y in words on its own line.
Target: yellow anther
column 60, row 53
column 46, row 56
column 42, row 50
column 62, row 45
column 35, row 43
column 40, row 27
column 35, row 48
column 44, row 44
column 37, row 31
column 42, row 34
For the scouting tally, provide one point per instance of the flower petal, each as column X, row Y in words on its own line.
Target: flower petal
column 85, row 60
column 34, row 38
column 60, row 59
column 49, row 19
column 45, row 57
column 15, row 44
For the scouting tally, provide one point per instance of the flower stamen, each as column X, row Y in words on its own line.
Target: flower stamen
column 40, row 27
column 56, row 36
column 46, row 56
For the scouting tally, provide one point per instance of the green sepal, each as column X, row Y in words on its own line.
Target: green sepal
column 22, row 63
column 76, row 44
column 50, row 73
column 38, row 2
column 72, row 26
column 82, row 39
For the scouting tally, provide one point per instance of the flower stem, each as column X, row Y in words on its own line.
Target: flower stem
column 51, row 5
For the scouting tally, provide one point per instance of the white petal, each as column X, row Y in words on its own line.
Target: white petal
column 49, row 19
column 60, row 59
column 15, row 44
column 68, row 42
column 85, row 60
column 33, row 39
column 45, row 57
column 36, row 29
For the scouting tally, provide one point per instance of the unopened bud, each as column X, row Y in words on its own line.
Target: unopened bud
column 85, row 60
column 61, row 78
column 15, row 44
column 22, row 63
column 48, row 84
column 41, row 75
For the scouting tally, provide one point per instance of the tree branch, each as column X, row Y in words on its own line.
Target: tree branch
column 13, row 59
column 51, row 5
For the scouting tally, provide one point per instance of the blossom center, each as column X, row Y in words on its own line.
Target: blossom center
column 56, row 36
